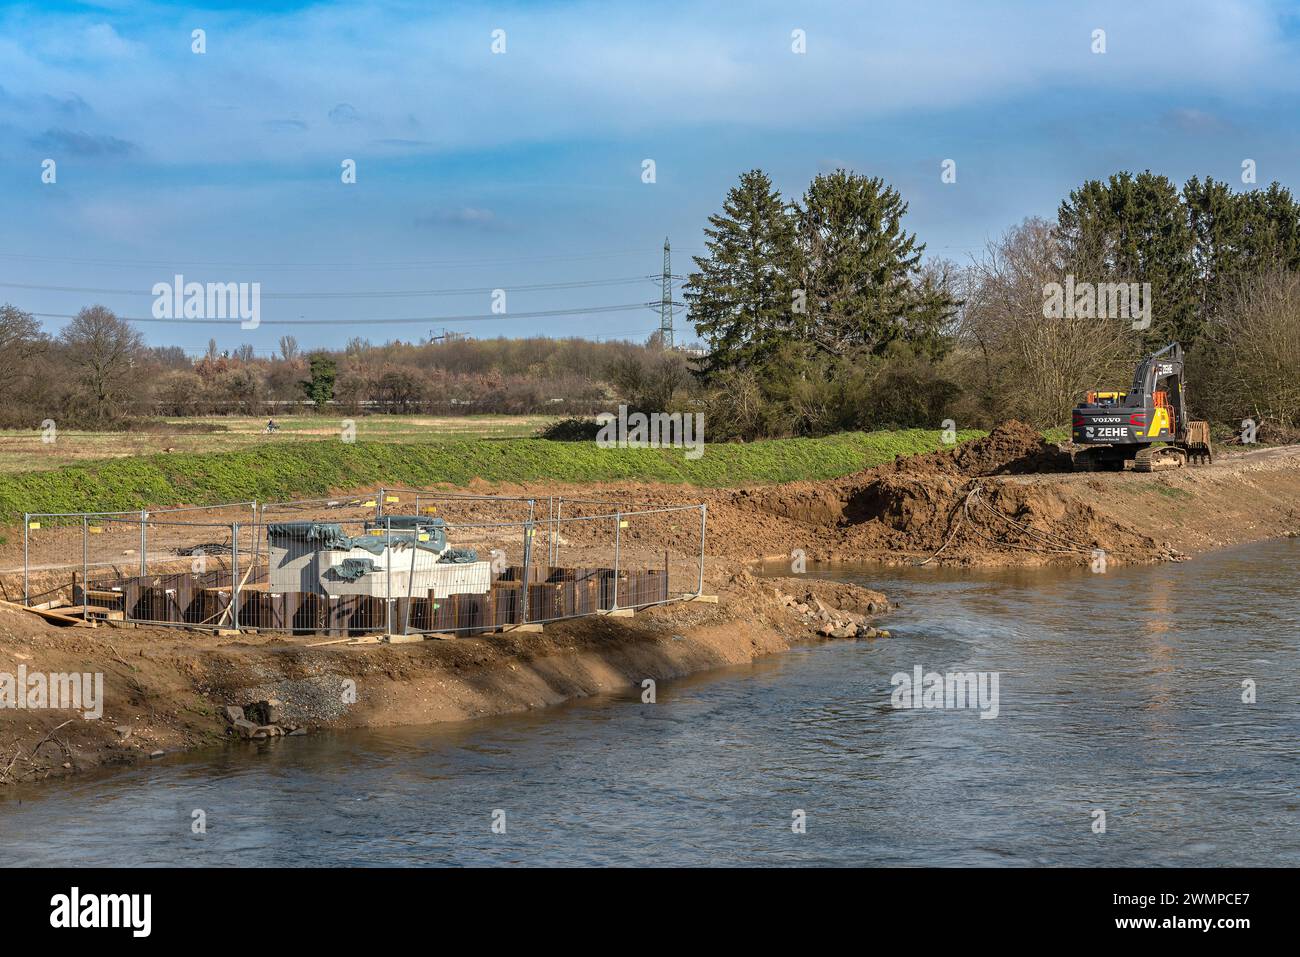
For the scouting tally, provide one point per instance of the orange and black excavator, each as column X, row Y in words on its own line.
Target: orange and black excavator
column 1146, row 428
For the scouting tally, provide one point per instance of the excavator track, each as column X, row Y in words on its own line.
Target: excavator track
column 1162, row 459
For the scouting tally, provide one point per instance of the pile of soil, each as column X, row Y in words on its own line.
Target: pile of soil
column 1012, row 448
column 910, row 508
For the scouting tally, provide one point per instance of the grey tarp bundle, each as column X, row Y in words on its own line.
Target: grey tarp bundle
column 460, row 556
column 350, row 569
column 328, row 535
column 408, row 528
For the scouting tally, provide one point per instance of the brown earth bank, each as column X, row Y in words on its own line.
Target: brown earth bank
column 1007, row 499
column 1002, row 500
column 166, row 690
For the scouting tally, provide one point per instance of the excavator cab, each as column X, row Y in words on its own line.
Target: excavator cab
column 1146, row 428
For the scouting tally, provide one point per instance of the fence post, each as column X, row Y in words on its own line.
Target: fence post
column 528, row 561
column 559, row 507
column 257, row 536
column 704, row 514
column 388, row 578
column 85, row 567
column 144, row 543
column 234, row 576
column 618, row 542
column 410, row 581
column 27, row 524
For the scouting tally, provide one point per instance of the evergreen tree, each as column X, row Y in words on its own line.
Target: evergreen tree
column 742, row 298
column 862, row 270
column 320, row 387
column 1135, row 229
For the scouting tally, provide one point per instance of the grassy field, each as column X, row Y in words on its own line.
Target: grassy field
column 279, row 469
column 25, row 450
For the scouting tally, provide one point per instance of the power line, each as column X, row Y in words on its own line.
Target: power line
column 378, row 294
column 348, row 264
column 544, row 314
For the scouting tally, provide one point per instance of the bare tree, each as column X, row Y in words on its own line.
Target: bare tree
column 1250, row 371
column 288, row 348
column 1015, row 361
column 21, row 342
column 103, row 351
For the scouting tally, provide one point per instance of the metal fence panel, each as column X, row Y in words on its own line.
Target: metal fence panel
column 395, row 561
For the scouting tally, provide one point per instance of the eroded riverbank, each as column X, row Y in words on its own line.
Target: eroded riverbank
column 1123, row 697
column 166, row 689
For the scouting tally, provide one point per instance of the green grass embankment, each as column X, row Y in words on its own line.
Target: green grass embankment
column 307, row 469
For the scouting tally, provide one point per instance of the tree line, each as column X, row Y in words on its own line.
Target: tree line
column 821, row 314
column 98, row 373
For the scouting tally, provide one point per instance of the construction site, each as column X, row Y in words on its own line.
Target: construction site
column 387, row 565
column 550, row 596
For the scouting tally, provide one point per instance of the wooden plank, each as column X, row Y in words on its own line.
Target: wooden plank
column 53, row 617
column 95, row 611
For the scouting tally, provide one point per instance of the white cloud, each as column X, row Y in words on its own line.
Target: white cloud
column 429, row 82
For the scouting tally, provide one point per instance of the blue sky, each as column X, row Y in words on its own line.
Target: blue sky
column 478, row 170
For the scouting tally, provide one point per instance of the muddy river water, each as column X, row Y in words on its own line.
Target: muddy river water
column 1119, row 693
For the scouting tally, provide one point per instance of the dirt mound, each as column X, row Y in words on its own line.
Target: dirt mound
column 1012, row 448
column 950, row 500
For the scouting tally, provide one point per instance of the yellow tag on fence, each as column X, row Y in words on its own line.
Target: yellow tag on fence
column 376, row 531
column 33, row 525
column 95, row 529
column 370, row 504
column 391, row 498
column 424, row 536
column 623, row 524
column 432, row 510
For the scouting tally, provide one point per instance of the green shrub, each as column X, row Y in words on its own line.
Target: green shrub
column 572, row 429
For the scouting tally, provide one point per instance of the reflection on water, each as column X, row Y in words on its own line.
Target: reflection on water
column 1119, row 691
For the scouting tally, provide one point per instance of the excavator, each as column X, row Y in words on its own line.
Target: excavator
column 1145, row 429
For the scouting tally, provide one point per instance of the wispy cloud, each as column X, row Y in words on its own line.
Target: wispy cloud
column 285, row 126
column 579, row 69
column 81, row 143
column 464, row 216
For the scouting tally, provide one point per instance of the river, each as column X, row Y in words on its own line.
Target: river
column 1118, row 693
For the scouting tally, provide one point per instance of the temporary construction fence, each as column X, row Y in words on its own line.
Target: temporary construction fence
column 400, row 561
